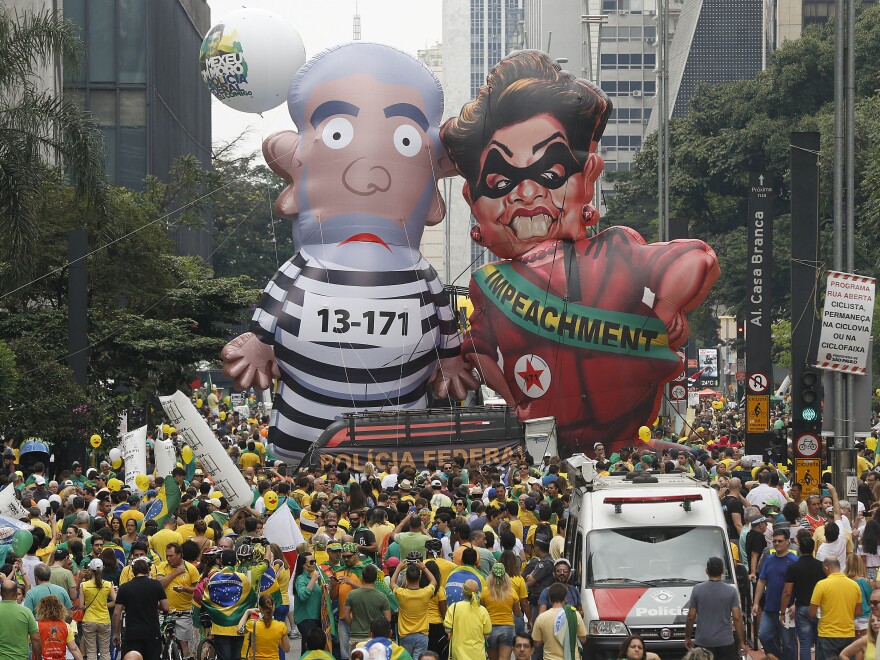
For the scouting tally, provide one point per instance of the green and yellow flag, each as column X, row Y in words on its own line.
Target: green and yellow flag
column 166, row 502
column 227, row 596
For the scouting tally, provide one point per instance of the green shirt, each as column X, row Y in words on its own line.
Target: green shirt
column 366, row 605
column 18, row 625
column 307, row 603
column 409, row 542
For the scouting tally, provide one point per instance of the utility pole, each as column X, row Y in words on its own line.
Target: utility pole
column 844, row 221
column 663, row 120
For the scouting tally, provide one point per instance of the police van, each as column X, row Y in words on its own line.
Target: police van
column 637, row 545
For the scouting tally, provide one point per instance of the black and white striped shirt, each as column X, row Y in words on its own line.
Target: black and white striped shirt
column 322, row 379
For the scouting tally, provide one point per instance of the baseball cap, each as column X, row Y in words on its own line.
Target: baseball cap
column 392, row 562
column 436, row 484
column 40, row 480
column 61, row 554
column 96, row 564
column 597, row 445
column 492, row 493
column 334, row 546
column 562, row 560
column 759, row 520
column 68, row 483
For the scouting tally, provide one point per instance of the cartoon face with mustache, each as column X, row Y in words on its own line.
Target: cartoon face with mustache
column 531, row 188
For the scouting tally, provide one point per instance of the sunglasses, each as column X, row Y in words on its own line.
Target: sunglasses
column 331, row 525
column 779, row 541
column 874, row 603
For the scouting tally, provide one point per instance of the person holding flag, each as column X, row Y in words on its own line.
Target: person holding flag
column 227, row 596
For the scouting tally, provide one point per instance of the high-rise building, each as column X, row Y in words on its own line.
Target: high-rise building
column 792, row 16
column 715, row 41
column 477, row 34
column 140, row 78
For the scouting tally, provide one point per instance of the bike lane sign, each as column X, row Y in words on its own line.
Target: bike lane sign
column 808, row 473
column 807, row 445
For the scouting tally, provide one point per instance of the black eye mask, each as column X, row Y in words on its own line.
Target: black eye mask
column 539, row 171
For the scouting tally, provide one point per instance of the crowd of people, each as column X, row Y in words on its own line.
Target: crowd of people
column 446, row 560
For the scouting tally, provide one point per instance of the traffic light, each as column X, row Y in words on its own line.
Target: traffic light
column 808, row 406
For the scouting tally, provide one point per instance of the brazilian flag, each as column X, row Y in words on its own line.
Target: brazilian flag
column 269, row 585
column 455, row 583
column 226, row 597
column 166, row 502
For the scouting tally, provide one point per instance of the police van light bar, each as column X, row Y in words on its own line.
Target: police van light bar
column 685, row 500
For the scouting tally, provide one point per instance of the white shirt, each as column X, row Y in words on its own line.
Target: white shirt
column 761, row 494
column 389, row 481
column 835, row 549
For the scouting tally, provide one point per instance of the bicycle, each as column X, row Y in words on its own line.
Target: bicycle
column 171, row 648
column 206, row 649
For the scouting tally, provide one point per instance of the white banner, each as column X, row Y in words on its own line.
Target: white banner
column 163, row 457
column 9, row 506
column 846, row 323
column 134, row 453
column 213, row 459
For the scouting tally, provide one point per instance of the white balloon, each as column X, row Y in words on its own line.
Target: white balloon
column 42, row 505
column 115, row 454
column 249, row 59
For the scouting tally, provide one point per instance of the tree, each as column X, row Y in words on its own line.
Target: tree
column 742, row 126
column 38, row 128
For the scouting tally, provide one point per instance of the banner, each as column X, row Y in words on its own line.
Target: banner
column 134, row 454
column 414, row 438
column 163, row 457
column 193, row 430
column 9, row 506
column 846, row 323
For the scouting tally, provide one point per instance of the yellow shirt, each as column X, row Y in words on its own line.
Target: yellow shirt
column 127, row 574
column 516, row 527
column 160, row 540
column 434, row 606
column 446, row 567
column 469, row 626
column 380, row 532
column 527, row 518
column 530, row 540
column 500, row 611
column 36, row 522
column 189, row 532
column 179, row 601
column 249, row 459
column 519, row 585
column 282, row 577
column 838, row 596
column 413, row 609
column 95, row 600
column 268, row 639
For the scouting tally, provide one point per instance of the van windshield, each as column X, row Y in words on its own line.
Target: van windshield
column 654, row 554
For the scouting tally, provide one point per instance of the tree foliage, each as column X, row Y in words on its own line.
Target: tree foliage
column 744, row 126
column 38, row 128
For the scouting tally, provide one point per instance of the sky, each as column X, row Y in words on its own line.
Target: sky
column 410, row 25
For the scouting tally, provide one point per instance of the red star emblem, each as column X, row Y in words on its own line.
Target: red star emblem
column 531, row 376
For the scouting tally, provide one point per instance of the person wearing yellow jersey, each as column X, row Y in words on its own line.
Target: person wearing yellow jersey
column 164, row 536
column 96, row 595
column 179, row 579
column 502, row 602
column 250, row 458
column 264, row 635
column 413, row 622
column 437, row 639
column 138, row 549
column 226, row 596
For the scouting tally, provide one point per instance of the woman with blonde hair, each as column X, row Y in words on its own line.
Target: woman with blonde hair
column 866, row 645
column 502, row 602
column 855, row 571
column 55, row 635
